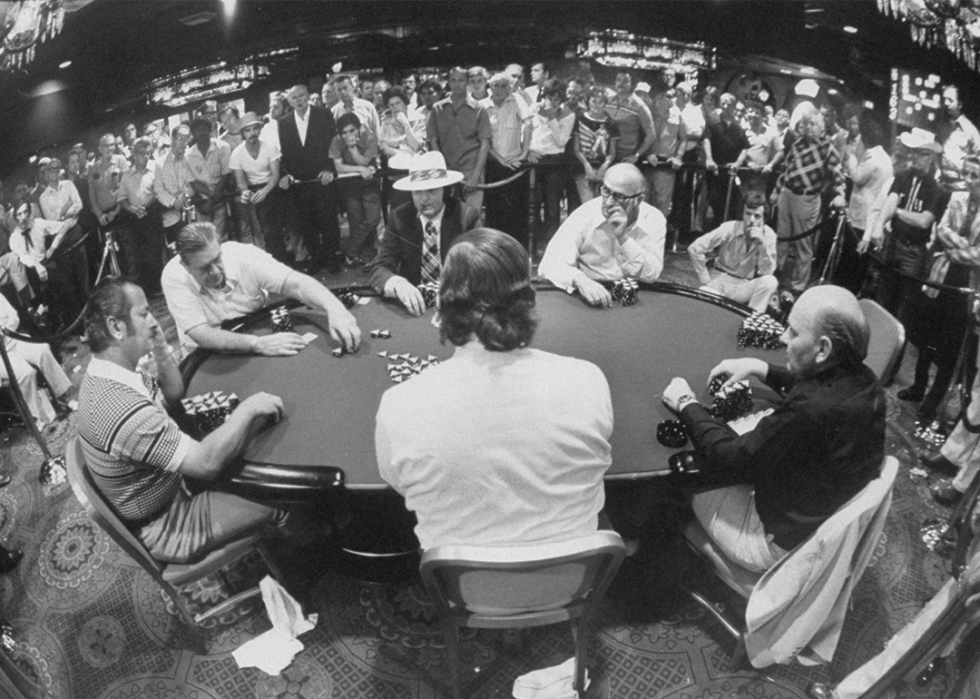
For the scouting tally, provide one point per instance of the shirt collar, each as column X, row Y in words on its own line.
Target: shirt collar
column 104, row 369
column 437, row 221
column 232, row 275
column 303, row 119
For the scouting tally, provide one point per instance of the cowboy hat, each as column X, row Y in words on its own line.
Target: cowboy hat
column 920, row 139
column 428, row 171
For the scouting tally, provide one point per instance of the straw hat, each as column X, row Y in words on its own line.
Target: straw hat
column 428, row 171
column 250, row 119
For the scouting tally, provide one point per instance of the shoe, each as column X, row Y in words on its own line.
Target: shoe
column 912, row 393
column 4, row 480
column 10, row 559
column 820, row 690
column 940, row 464
column 944, row 493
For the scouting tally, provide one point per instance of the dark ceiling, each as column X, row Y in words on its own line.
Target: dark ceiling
column 118, row 46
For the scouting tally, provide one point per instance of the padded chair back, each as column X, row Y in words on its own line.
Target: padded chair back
column 887, row 338
column 800, row 601
column 101, row 512
column 516, row 586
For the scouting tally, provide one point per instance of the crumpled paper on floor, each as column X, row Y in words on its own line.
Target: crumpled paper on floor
column 549, row 683
column 273, row 651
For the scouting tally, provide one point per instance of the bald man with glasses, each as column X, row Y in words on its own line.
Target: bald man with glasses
column 614, row 236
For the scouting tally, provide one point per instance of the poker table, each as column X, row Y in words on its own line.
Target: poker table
column 327, row 436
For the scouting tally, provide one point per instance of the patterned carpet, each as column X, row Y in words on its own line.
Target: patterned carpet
column 90, row 624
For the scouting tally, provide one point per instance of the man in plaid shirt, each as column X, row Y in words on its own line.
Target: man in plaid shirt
column 812, row 165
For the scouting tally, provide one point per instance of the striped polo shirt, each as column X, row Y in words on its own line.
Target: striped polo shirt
column 132, row 447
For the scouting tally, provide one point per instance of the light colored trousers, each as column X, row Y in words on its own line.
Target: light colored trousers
column 755, row 293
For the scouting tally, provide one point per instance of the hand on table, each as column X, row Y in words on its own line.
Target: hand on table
column 740, row 369
column 263, row 405
column 675, row 391
column 594, row 293
column 279, row 344
column 409, row 296
column 343, row 329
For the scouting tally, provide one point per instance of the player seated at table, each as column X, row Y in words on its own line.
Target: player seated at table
column 745, row 257
column 138, row 455
column 419, row 232
column 614, row 236
column 822, row 444
column 501, row 444
column 209, row 282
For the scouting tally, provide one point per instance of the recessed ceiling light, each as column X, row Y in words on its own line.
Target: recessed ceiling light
column 64, row 64
column 199, row 18
column 850, row 30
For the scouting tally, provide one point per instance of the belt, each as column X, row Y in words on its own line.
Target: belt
column 732, row 274
column 800, row 192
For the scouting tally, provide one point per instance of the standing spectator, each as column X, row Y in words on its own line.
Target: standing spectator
column 66, row 259
column 208, row 160
column 694, row 125
column 596, row 139
column 477, row 77
column 351, row 104
column 307, row 171
column 553, row 125
column 328, row 94
column 539, row 75
column 958, row 136
column 255, row 165
column 366, row 90
column 763, row 152
column 812, row 165
column 459, row 128
column 516, row 73
column 428, row 95
column 171, row 184
column 355, row 150
column 103, row 181
column 632, row 117
column 278, row 106
column 665, row 154
column 511, row 122
column 402, row 131
column 231, row 129
column 724, row 143
column 141, row 232
column 408, row 85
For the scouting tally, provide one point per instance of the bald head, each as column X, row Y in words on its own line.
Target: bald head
column 837, row 315
column 625, row 178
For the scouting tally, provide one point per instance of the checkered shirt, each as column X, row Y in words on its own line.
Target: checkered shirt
column 811, row 167
column 129, row 442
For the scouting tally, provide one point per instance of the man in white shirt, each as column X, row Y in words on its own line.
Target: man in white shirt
column 255, row 165
column 959, row 138
column 210, row 282
column 350, row 103
column 501, row 444
column 613, row 236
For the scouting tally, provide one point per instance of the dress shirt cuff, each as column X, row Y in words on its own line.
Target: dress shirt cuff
column 389, row 289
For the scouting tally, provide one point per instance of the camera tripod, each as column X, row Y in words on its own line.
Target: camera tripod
column 109, row 265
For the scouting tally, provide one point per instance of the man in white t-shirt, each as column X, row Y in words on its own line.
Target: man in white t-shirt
column 255, row 165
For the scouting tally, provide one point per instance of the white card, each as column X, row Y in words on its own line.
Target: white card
column 309, row 337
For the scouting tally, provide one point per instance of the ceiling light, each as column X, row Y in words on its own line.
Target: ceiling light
column 197, row 19
column 850, row 30
column 64, row 64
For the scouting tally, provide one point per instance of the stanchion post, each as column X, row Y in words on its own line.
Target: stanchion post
column 531, row 176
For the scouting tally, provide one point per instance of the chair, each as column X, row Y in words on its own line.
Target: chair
column 500, row 587
column 796, row 608
column 169, row 576
column 887, row 338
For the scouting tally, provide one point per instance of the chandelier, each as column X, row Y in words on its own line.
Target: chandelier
column 952, row 24
column 27, row 23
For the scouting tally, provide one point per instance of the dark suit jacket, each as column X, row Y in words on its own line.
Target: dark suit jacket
column 401, row 248
column 306, row 162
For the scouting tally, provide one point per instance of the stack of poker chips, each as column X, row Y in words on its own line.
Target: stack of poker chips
column 760, row 330
column 730, row 402
column 405, row 366
column 429, row 293
column 932, row 433
column 349, row 299
column 626, row 291
column 209, row 411
column 282, row 322
column 672, row 434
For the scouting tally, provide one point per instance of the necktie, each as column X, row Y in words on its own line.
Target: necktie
column 430, row 255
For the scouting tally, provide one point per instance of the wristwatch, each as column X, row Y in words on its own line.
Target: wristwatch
column 684, row 400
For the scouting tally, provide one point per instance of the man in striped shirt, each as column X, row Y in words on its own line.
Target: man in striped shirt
column 138, row 455
column 812, row 165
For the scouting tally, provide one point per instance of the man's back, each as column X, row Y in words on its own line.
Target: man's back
column 499, row 447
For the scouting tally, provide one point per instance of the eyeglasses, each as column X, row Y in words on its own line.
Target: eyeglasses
column 618, row 197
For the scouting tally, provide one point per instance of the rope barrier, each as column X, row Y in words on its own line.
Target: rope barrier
column 965, row 290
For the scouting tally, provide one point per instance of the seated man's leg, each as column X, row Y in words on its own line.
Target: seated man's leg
column 730, row 518
column 12, row 271
column 755, row 293
column 197, row 525
column 39, row 356
column 761, row 290
column 37, row 402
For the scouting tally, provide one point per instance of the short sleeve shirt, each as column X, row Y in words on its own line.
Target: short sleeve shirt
column 251, row 275
column 209, row 167
column 459, row 130
column 915, row 194
column 594, row 137
column 257, row 170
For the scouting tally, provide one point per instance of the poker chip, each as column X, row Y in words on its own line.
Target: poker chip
column 402, row 366
column 760, row 330
column 209, row 411
column 338, row 352
column 349, row 299
column 672, row 434
column 626, row 291
column 381, row 334
column 716, row 383
column 430, row 292
column 732, row 401
column 282, row 322
column 932, row 433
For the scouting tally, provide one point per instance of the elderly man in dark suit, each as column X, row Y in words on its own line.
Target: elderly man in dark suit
column 304, row 140
column 420, row 232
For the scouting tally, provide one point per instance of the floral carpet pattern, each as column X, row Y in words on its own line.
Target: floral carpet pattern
column 90, row 624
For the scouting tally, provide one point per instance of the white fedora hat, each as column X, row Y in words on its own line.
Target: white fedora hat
column 920, row 139
column 428, row 171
